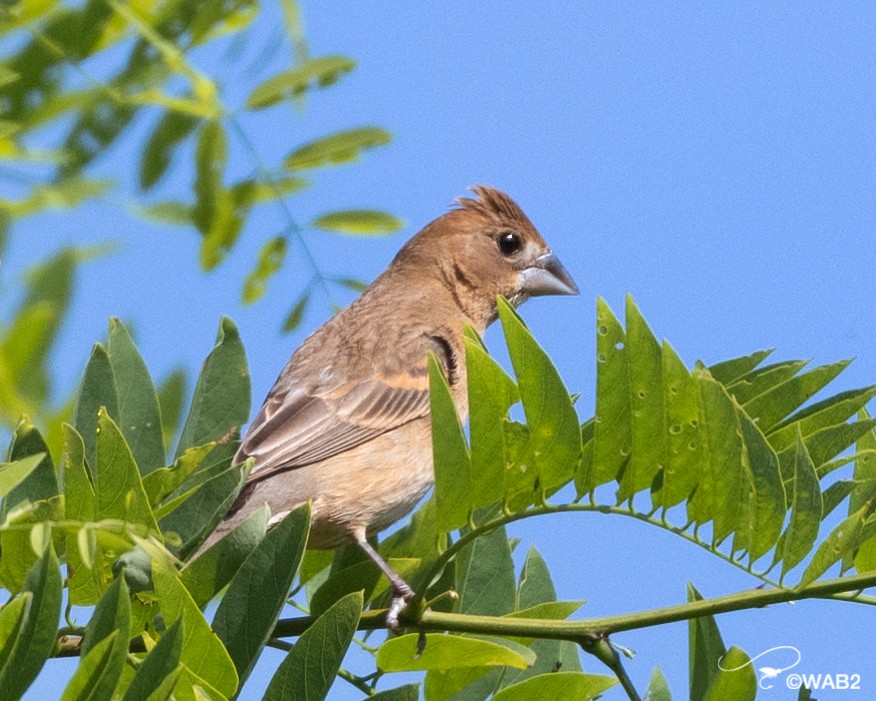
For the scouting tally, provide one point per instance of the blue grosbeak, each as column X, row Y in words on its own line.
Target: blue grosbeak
column 346, row 424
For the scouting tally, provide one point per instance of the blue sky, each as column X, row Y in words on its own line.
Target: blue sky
column 716, row 160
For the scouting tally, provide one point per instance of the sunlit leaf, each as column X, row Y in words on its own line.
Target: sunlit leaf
column 445, row 652
column 322, row 71
column 271, row 257
column 559, row 685
column 806, row 510
column 342, row 147
column 359, row 222
column 554, row 428
column 203, row 654
column 739, row 684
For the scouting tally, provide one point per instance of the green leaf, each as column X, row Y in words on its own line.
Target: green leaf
column 169, row 133
column 96, row 673
column 647, row 406
column 139, row 415
column 686, row 456
column 111, row 620
column 160, row 665
column 612, row 438
column 408, row 692
column 775, row 404
column 171, row 397
column 453, row 469
column 347, row 575
column 323, row 71
column 445, row 652
column 843, row 539
column 160, row 483
column 729, row 371
column 706, row 648
column 195, row 513
column 271, row 257
column 97, row 389
column 42, row 482
column 770, row 502
column 208, row 574
column 118, row 488
column 658, row 689
column 536, row 586
column 341, row 147
column 246, row 616
column 36, row 636
column 213, row 212
column 490, row 395
column 221, row 401
column 13, row 616
column 309, row 669
column 14, row 473
column 203, row 654
column 806, row 510
column 558, row 685
column 864, row 473
column 485, row 576
column 358, row 222
column 763, row 379
column 296, row 314
column 554, row 428
column 723, row 479
column 820, row 415
column 25, row 346
column 83, row 580
column 739, row 684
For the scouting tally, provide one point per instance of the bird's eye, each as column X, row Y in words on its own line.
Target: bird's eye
column 509, row 243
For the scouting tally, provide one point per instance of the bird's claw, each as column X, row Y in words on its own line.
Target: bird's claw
column 401, row 595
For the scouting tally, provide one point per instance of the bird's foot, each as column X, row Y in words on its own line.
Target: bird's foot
column 401, row 595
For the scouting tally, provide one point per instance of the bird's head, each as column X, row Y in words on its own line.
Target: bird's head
column 485, row 248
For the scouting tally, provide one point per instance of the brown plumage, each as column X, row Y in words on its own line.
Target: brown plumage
column 346, row 424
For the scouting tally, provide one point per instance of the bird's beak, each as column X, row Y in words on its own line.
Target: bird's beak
column 547, row 276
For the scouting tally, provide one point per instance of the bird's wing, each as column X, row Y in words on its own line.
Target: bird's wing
column 299, row 425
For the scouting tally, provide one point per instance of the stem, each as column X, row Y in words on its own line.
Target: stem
column 583, row 630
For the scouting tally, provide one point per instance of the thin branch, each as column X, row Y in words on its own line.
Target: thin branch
column 583, row 630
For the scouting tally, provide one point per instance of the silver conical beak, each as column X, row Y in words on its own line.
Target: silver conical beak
column 547, row 277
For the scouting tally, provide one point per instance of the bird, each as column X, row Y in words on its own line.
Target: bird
column 346, row 425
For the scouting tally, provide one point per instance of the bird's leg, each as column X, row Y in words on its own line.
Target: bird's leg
column 401, row 591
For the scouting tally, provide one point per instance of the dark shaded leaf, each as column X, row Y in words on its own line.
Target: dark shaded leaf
column 706, row 649
column 139, row 415
column 169, row 133
column 160, row 666
column 307, row 672
column 221, row 402
column 246, row 616
column 36, row 636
